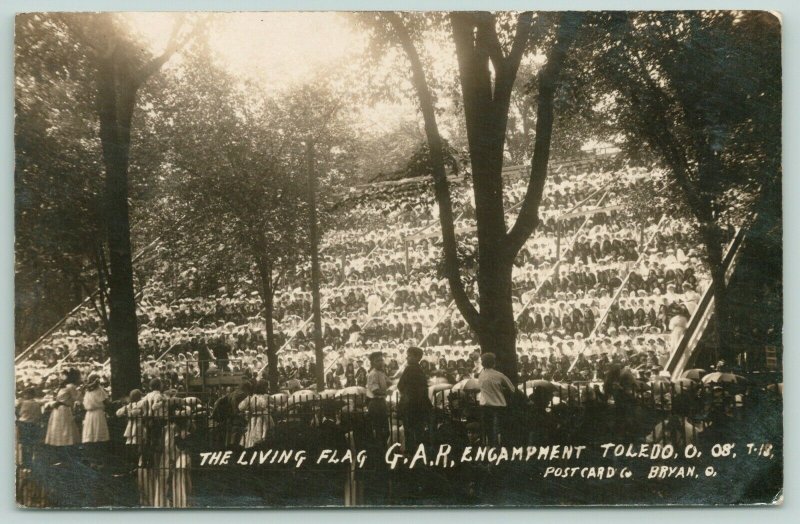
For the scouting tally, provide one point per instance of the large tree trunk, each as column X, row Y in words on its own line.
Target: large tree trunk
column 319, row 367
column 116, row 100
column 119, row 76
column 498, row 331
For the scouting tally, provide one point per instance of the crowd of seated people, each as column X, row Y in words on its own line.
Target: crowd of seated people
column 381, row 290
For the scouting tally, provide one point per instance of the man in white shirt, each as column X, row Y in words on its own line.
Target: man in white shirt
column 492, row 398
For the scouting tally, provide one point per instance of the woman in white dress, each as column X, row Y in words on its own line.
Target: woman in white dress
column 259, row 420
column 175, row 472
column 95, row 425
column 62, row 431
column 95, row 435
column 133, row 410
column 134, row 430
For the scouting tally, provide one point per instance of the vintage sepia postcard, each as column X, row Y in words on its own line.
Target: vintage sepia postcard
column 306, row 259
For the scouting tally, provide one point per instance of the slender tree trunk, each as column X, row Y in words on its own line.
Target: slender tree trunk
column 440, row 184
column 272, row 347
column 319, row 368
column 265, row 275
column 116, row 100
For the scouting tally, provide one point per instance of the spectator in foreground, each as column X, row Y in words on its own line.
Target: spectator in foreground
column 29, row 413
column 95, row 426
column 134, row 429
column 494, row 387
column 377, row 388
column 415, row 406
column 62, row 431
column 620, row 385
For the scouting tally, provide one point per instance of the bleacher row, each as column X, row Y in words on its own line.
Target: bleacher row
column 590, row 288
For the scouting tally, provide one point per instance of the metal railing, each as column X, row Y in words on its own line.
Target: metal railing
column 167, row 451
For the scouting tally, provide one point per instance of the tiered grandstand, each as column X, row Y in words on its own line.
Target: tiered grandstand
column 594, row 284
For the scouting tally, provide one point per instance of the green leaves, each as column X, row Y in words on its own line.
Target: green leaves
column 691, row 86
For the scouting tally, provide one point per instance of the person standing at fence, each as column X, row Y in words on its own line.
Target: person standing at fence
column 29, row 414
column 377, row 389
column 150, row 478
column 95, row 426
column 175, row 469
column 255, row 408
column 229, row 424
column 62, row 431
column 154, row 415
column 133, row 429
column 415, row 406
column 494, row 387
column 361, row 373
column 330, row 478
column 620, row 386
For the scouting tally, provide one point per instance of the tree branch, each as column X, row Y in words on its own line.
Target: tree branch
column 528, row 218
column 660, row 134
column 507, row 74
column 102, row 287
column 98, row 308
column 485, row 24
column 81, row 35
column 174, row 44
column 473, row 65
column 525, row 25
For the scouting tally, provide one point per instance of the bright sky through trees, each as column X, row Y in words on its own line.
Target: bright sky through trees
column 275, row 49
column 278, row 50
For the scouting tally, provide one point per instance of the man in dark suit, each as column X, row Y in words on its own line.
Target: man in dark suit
column 415, row 406
column 360, row 374
column 220, row 349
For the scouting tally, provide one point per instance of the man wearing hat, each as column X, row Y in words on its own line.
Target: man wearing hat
column 361, row 373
